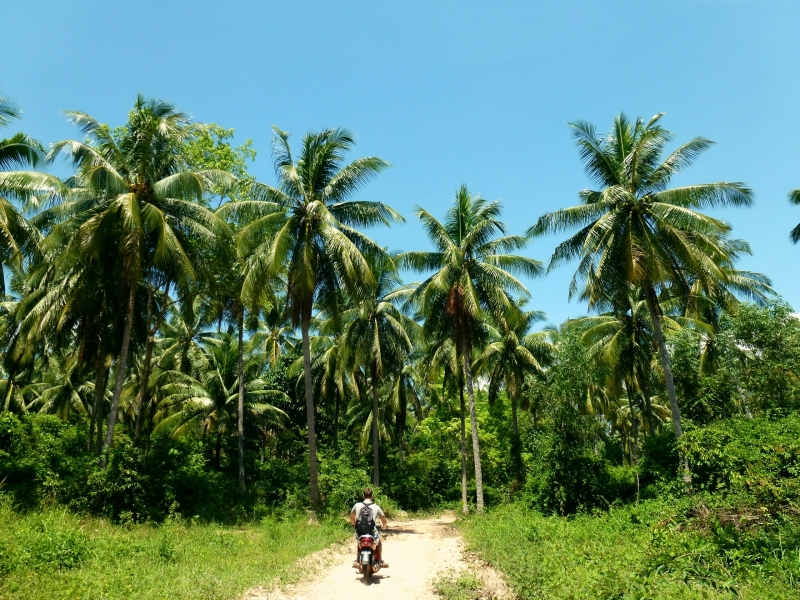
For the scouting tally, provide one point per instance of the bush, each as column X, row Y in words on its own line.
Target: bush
column 759, row 457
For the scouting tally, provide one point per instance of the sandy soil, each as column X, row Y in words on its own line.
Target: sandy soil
column 418, row 551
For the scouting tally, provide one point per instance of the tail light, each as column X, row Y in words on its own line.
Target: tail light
column 366, row 542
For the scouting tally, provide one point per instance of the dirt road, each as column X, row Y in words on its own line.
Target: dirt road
column 418, row 551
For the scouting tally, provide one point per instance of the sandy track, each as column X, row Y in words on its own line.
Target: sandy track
column 418, row 551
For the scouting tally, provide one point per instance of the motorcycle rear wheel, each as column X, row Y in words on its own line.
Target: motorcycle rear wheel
column 366, row 571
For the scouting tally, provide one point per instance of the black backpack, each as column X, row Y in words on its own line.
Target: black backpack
column 365, row 524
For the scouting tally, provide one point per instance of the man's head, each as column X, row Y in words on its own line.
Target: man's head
column 368, row 494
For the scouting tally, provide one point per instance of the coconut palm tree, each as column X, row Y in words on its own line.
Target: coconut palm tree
column 634, row 229
column 472, row 278
column 208, row 399
column 707, row 300
column 513, row 353
column 275, row 337
column 132, row 192
column 18, row 238
column 305, row 228
column 378, row 335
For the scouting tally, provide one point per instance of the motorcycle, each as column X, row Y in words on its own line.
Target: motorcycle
column 369, row 559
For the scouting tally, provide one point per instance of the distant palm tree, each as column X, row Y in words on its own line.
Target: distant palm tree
column 208, row 399
column 513, row 353
column 635, row 230
column 378, row 335
column 305, row 228
column 133, row 193
column 275, row 337
column 472, row 278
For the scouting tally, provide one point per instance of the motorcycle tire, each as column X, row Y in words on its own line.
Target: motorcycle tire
column 366, row 571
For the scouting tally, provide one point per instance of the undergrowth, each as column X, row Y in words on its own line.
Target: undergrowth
column 686, row 548
column 54, row 555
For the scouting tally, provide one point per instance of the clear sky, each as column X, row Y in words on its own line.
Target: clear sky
column 448, row 92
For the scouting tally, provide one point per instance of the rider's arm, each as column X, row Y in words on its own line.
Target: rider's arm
column 383, row 520
column 353, row 518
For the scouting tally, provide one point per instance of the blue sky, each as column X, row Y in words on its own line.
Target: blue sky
column 448, row 92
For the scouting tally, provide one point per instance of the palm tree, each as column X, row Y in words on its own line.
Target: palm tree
column 444, row 361
column 18, row 238
column 275, row 337
column 621, row 339
column 133, row 193
column 513, row 353
column 406, row 400
column 635, row 230
column 378, row 335
column 208, row 399
column 707, row 300
column 472, row 278
column 305, row 228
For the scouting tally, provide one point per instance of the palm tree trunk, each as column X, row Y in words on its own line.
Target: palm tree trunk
column 651, row 422
column 464, row 500
column 312, row 438
column 516, row 450
column 376, row 478
column 634, row 423
column 336, row 410
column 476, row 451
column 240, row 419
column 9, row 391
column 148, row 358
column 148, row 355
column 655, row 317
column 218, row 449
column 122, row 363
column 101, row 374
column 100, row 395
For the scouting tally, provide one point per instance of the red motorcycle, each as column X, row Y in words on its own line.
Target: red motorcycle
column 369, row 558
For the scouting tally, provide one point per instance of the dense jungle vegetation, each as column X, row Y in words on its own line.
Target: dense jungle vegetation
column 185, row 348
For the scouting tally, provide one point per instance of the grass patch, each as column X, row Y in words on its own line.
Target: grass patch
column 656, row 550
column 467, row 586
column 56, row 555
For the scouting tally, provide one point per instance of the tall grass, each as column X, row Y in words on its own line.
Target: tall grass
column 651, row 551
column 56, row 555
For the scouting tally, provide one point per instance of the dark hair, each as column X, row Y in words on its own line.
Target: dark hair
column 368, row 493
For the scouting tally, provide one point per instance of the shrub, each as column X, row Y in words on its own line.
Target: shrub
column 759, row 457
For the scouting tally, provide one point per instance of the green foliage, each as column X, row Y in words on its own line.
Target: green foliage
column 654, row 550
column 768, row 340
column 568, row 473
column 759, row 457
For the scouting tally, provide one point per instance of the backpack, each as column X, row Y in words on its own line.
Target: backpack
column 365, row 524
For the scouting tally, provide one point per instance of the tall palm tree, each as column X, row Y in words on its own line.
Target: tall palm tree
column 134, row 193
column 444, row 363
column 378, row 335
column 472, row 278
column 635, row 230
column 305, row 228
column 513, row 353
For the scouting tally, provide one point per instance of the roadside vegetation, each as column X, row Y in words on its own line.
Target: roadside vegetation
column 53, row 554
column 196, row 364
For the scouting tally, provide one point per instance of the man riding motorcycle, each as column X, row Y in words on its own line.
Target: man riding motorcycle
column 376, row 513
